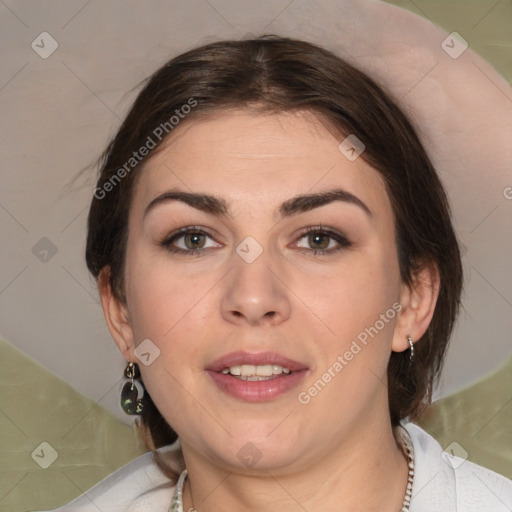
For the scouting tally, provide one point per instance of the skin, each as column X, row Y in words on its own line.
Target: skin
column 337, row 452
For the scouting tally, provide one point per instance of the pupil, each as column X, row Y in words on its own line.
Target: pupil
column 316, row 237
column 193, row 238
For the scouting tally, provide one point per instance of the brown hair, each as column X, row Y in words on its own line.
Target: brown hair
column 274, row 74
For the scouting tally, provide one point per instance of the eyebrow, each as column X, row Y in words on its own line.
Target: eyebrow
column 220, row 207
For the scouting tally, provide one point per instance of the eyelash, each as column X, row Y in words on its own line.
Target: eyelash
column 342, row 240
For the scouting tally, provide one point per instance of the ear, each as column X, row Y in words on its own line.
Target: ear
column 116, row 315
column 418, row 302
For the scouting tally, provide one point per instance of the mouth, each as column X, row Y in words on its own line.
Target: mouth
column 256, row 377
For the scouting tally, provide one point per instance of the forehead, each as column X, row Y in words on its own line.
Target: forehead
column 255, row 158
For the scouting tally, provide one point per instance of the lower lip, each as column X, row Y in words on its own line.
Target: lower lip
column 257, row 391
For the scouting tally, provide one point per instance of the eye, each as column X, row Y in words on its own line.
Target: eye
column 191, row 240
column 324, row 241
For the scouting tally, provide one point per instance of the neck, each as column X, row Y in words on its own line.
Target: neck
column 367, row 471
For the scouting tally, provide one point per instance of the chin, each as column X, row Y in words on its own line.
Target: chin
column 252, row 459
column 264, row 448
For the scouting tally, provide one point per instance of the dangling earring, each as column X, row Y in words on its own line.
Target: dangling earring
column 411, row 346
column 132, row 395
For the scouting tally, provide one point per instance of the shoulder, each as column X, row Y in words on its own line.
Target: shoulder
column 139, row 486
column 445, row 481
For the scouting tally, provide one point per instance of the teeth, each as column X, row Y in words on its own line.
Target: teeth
column 254, row 378
column 252, row 372
column 235, row 370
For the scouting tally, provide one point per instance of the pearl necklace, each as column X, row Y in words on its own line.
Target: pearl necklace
column 408, row 449
column 177, row 499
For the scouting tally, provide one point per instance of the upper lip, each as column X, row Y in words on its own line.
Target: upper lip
column 254, row 358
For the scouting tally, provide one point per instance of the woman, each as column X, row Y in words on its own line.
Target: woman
column 277, row 264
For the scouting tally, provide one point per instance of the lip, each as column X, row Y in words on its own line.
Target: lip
column 256, row 391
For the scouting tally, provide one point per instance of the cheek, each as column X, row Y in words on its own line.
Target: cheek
column 352, row 297
column 172, row 310
column 360, row 309
column 161, row 300
column 167, row 309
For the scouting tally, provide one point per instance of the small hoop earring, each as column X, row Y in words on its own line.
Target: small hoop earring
column 411, row 347
column 132, row 394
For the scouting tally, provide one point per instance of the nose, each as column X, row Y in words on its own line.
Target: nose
column 255, row 293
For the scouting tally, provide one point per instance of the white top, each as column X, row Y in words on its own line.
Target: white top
column 442, row 483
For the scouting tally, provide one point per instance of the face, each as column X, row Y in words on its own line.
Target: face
column 262, row 283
